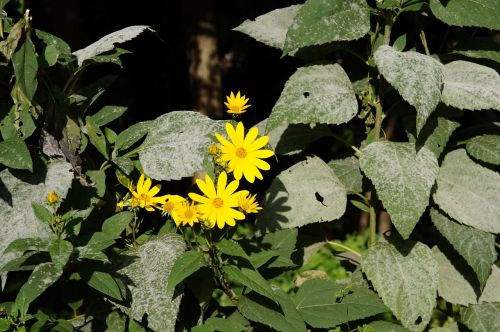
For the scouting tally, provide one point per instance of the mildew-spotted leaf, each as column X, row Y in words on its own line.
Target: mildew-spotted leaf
column 403, row 179
column 483, row 317
column 319, row 22
column 17, row 190
column 417, row 77
column 315, row 94
column 177, row 143
column 475, row 246
column 485, row 148
column 468, row 192
column 490, row 292
column 469, row 13
column 470, row 86
column 270, row 28
column 307, row 192
column 146, row 272
column 348, row 172
column 405, row 276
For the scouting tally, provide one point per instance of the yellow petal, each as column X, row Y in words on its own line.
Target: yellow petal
column 198, row 198
column 140, row 183
column 251, row 136
column 259, row 143
column 261, row 154
column 231, row 188
column 206, row 187
column 155, row 190
column 221, row 183
column 240, row 133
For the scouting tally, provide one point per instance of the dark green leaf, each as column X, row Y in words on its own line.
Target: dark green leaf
column 98, row 177
column 22, row 245
column 96, row 136
column 476, row 13
column 485, row 148
column 360, row 205
column 97, row 243
column 116, row 322
column 215, row 324
column 282, row 244
column 104, row 283
column 132, row 134
column 249, row 278
column 107, row 114
column 50, row 55
column 25, row 68
column 15, row 154
column 42, row 213
column 60, row 251
column 383, row 326
column 114, row 225
column 63, row 326
column 348, row 172
column 63, row 50
column 187, row 264
column 4, row 324
column 481, row 48
column 231, row 248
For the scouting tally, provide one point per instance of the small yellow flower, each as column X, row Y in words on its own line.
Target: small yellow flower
column 185, row 213
column 213, row 149
column 144, row 196
column 53, row 198
column 171, row 201
column 236, row 104
column 244, row 154
column 247, row 203
column 218, row 205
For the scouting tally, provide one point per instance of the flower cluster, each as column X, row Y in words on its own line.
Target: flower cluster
column 222, row 203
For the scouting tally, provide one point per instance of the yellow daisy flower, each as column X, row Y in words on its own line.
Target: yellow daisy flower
column 144, row 195
column 185, row 213
column 247, row 202
column 53, row 198
column 171, row 201
column 217, row 206
column 243, row 153
column 236, row 104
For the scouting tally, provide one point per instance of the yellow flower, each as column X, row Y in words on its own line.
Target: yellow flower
column 217, row 206
column 185, row 213
column 171, row 201
column 244, row 153
column 53, row 198
column 236, row 104
column 144, row 195
column 247, row 202
column 213, row 149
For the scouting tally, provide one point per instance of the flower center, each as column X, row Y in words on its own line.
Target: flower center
column 168, row 206
column 218, row 202
column 241, row 153
column 235, row 109
column 188, row 214
column 145, row 199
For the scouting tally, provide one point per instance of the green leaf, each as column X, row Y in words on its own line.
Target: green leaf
column 15, row 154
column 322, row 305
column 60, row 251
column 490, row 292
column 176, row 144
column 216, row 324
column 383, row 326
column 282, row 244
column 184, row 266
column 307, row 192
column 270, row 28
column 27, row 244
column 98, row 178
column 107, row 114
column 50, row 55
column 132, row 135
column 485, row 148
column 17, row 219
column 468, row 85
column 96, row 136
column 482, row 317
column 360, row 205
column 40, row 279
column 114, row 225
column 406, row 277
column 452, row 285
column 231, row 248
column 283, row 318
column 403, row 180
column 448, row 327
column 63, row 50
column 42, row 213
column 479, row 48
column 25, row 66
column 319, row 22
column 104, row 283
column 417, row 77
column 146, row 272
column 288, row 139
column 315, row 94
column 107, row 42
column 125, row 164
column 27, row 262
column 475, row 246
column 4, row 324
column 249, row 278
column 116, row 322
column 9, row 45
column 348, row 172
column 469, row 13
column 468, row 192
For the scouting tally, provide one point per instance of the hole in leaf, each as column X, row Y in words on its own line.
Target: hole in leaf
column 20, row 123
column 319, row 198
column 306, row 94
column 418, row 320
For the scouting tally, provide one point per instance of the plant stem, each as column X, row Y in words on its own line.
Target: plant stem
column 424, row 42
column 345, row 142
column 373, row 223
column 336, row 244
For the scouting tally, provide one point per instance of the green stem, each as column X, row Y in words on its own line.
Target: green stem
column 424, row 42
column 373, row 224
column 336, row 244
column 362, row 197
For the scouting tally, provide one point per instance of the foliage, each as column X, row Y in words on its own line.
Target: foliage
column 97, row 234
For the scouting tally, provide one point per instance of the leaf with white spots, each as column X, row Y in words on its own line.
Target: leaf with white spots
column 315, row 94
column 319, row 22
column 403, row 179
column 470, row 86
column 468, row 192
column 485, row 148
column 490, row 292
column 475, row 246
column 270, row 28
column 307, row 192
column 107, row 43
column 147, row 269
column 483, row 317
column 176, row 144
column 406, row 278
column 417, row 77
column 348, row 172
column 469, row 13
column 452, row 285
column 17, row 190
